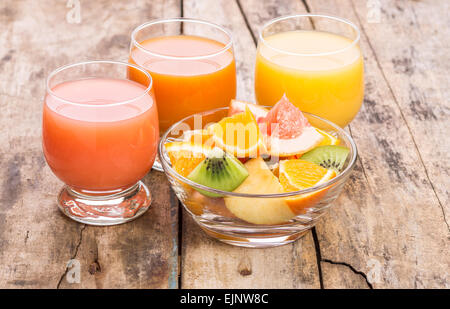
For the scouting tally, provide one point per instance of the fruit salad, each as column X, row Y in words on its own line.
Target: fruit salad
column 256, row 151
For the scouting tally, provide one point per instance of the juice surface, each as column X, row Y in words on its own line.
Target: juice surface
column 100, row 147
column 331, row 86
column 184, row 87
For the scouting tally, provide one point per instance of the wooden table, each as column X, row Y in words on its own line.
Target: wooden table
column 390, row 228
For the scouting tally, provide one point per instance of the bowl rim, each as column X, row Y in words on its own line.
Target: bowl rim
column 166, row 165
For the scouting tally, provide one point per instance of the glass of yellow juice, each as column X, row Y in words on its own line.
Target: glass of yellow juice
column 314, row 60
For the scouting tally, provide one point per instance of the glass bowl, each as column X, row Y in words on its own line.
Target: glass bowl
column 212, row 214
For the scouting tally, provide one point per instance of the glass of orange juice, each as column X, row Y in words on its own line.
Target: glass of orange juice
column 192, row 65
column 100, row 133
column 315, row 61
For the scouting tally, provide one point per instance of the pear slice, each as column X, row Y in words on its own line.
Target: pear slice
column 259, row 210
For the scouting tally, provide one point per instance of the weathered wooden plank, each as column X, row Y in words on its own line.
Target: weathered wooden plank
column 416, row 67
column 36, row 240
column 405, row 223
column 387, row 226
column 209, row 263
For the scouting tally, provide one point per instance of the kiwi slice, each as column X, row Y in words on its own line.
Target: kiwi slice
column 330, row 157
column 219, row 170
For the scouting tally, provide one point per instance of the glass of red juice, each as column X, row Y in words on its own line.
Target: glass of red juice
column 100, row 133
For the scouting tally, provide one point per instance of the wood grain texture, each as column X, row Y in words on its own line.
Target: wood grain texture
column 388, row 227
column 403, row 222
column 415, row 67
column 36, row 240
column 208, row 263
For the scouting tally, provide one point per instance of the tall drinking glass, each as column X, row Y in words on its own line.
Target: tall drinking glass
column 315, row 61
column 100, row 133
column 192, row 65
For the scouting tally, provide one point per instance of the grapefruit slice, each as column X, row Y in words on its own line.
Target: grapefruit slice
column 259, row 210
column 287, row 132
column 239, row 135
column 258, row 111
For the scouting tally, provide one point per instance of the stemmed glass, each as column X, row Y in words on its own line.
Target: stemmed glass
column 100, row 133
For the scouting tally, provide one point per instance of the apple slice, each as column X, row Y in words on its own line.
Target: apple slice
column 259, row 210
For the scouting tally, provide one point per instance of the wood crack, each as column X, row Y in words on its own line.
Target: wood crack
column 73, row 256
column 391, row 91
column 311, row 20
column 180, row 242
column 27, row 236
column 181, row 15
column 318, row 256
column 179, row 252
column 353, row 269
column 320, row 260
column 362, row 166
column 247, row 23
column 305, row 4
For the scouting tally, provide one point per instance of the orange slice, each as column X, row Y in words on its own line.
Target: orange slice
column 185, row 156
column 239, row 135
column 297, row 175
column 328, row 139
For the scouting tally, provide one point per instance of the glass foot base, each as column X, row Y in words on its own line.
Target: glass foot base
column 157, row 165
column 105, row 210
column 253, row 240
